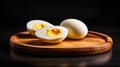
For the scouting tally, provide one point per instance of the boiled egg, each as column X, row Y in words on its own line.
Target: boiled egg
column 34, row 25
column 76, row 28
column 53, row 34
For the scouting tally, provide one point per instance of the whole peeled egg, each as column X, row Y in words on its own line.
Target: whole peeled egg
column 34, row 25
column 76, row 28
column 53, row 34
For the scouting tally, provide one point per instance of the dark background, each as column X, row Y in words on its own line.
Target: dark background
column 99, row 15
column 62, row 9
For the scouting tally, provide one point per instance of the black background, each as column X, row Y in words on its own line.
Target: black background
column 55, row 11
column 65, row 8
column 99, row 15
column 60, row 9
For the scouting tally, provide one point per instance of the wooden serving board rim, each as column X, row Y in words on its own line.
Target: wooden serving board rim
column 85, row 50
column 108, row 39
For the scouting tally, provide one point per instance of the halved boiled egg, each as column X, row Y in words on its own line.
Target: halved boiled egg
column 53, row 34
column 76, row 28
column 34, row 25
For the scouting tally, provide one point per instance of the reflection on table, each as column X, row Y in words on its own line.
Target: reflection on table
column 79, row 61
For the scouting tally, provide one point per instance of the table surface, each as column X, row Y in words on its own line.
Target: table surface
column 9, row 57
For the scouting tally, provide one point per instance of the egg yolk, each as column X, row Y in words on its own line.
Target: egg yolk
column 54, row 32
column 38, row 26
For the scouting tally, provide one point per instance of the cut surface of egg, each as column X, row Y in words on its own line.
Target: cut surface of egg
column 35, row 25
column 76, row 28
column 53, row 34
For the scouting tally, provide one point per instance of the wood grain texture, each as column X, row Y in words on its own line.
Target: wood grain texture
column 93, row 43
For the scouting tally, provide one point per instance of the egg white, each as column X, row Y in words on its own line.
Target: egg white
column 76, row 28
column 32, row 22
column 41, row 34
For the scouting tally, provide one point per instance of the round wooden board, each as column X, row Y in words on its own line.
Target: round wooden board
column 93, row 43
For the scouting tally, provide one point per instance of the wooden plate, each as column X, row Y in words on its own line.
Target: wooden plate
column 93, row 43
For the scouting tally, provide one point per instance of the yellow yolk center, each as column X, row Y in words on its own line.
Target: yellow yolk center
column 54, row 32
column 38, row 26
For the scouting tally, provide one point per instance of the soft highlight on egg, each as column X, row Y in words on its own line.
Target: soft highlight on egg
column 34, row 25
column 76, row 28
column 53, row 34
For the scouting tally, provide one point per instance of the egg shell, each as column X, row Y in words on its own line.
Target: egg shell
column 76, row 28
column 32, row 22
column 41, row 34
